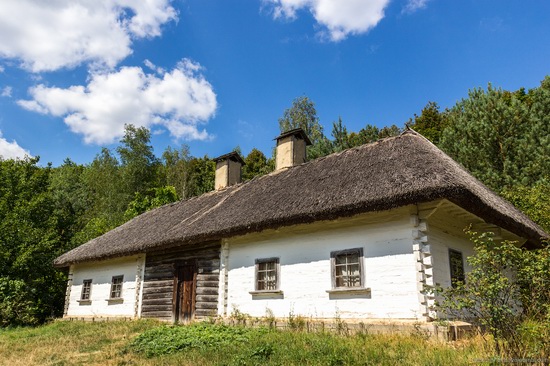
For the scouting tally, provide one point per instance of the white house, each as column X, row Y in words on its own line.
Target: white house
column 356, row 235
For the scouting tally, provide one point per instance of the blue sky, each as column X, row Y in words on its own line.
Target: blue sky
column 215, row 74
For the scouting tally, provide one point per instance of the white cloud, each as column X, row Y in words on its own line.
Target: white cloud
column 11, row 150
column 414, row 5
column 178, row 100
column 49, row 35
column 340, row 17
column 6, row 92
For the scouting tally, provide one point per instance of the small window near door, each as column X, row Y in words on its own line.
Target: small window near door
column 347, row 268
column 86, row 290
column 267, row 274
column 116, row 287
column 456, row 264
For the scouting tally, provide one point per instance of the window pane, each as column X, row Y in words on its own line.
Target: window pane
column 116, row 286
column 347, row 269
column 266, row 275
column 456, row 264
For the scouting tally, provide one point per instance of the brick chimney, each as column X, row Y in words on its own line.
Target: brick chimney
column 228, row 170
column 291, row 148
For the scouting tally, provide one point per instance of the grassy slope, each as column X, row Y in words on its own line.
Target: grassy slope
column 77, row 343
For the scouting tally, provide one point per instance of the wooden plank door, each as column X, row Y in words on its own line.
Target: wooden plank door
column 185, row 296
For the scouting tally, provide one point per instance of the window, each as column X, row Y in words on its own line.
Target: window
column 456, row 264
column 86, row 290
column 347, row 268
column 267, row 274
column 116, row 287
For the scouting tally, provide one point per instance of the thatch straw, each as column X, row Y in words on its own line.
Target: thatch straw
column 390, row 173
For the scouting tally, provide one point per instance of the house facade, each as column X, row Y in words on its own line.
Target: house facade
column 355, row 235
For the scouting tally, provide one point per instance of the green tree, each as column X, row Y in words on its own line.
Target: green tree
column 31, row 290
column 430, row 123
column 341, row 140
column 507, row 292
column 255, row 165
column 389, row 131
column 108, row 199
column 202, row 175
column 366, row 135
column 153, row 198
column 302, row 114
column 492, row 133
column 70, row 195
column 176, row 169
column 138, row 162
column 533, row 201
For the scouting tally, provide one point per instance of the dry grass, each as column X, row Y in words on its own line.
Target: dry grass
column 106, row 343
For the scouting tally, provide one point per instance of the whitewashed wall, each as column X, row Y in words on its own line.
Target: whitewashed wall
column 440, row 243
column 101, row 274
column 304, row 252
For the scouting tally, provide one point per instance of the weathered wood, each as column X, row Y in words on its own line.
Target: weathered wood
column 207, row 291
column 158, row 314
column 160, row 290
column 155, row 309
column 153, row 276
column 160, row 283
column 207, row 277
column 155, row 301
column 207, row 298
column 158, row 296
column 215, row 284
column 205, row 313
column 212, row 262
column 157, row 290
column 206, row 305
column 210, row 270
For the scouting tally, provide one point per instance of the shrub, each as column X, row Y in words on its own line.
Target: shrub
column 507, row 293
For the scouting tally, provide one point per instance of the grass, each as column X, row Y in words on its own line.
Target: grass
column 151, row 343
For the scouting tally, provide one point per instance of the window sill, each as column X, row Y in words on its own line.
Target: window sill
column 115, row 300
column 266, row 292
column 349, row 290
column 84, row 302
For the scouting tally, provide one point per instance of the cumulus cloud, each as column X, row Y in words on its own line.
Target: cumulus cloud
column 49, row 35
column 340, row 18
column 11, row 150
column 413, row 5
column 178, row 100
column 6, row 92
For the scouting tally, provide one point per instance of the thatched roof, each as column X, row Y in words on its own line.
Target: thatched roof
column 390, row 173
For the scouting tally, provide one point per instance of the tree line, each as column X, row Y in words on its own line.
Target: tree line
column 502, row 137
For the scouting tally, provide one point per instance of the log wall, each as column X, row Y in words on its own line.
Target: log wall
column 158, row 283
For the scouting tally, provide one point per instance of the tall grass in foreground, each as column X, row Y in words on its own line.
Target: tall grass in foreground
column 150, row 343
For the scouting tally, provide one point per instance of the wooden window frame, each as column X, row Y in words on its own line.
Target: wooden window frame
column 277, row 290
column 86, row 292
column 454, row 276
column 348, row 289
column 114, row 288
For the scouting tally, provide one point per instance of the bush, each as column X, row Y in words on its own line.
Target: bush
column 507, row 293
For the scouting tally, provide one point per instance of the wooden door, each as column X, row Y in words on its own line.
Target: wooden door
column 185, row 293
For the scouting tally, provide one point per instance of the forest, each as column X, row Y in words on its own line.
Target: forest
column 502, row 137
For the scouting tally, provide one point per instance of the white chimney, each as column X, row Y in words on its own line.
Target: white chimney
column 228, row 170
column 291, row 148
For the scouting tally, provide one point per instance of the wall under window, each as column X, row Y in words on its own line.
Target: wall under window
column 389, row 274
column 101, row 273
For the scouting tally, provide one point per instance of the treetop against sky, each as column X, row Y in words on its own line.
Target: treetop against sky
column 217, row 74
